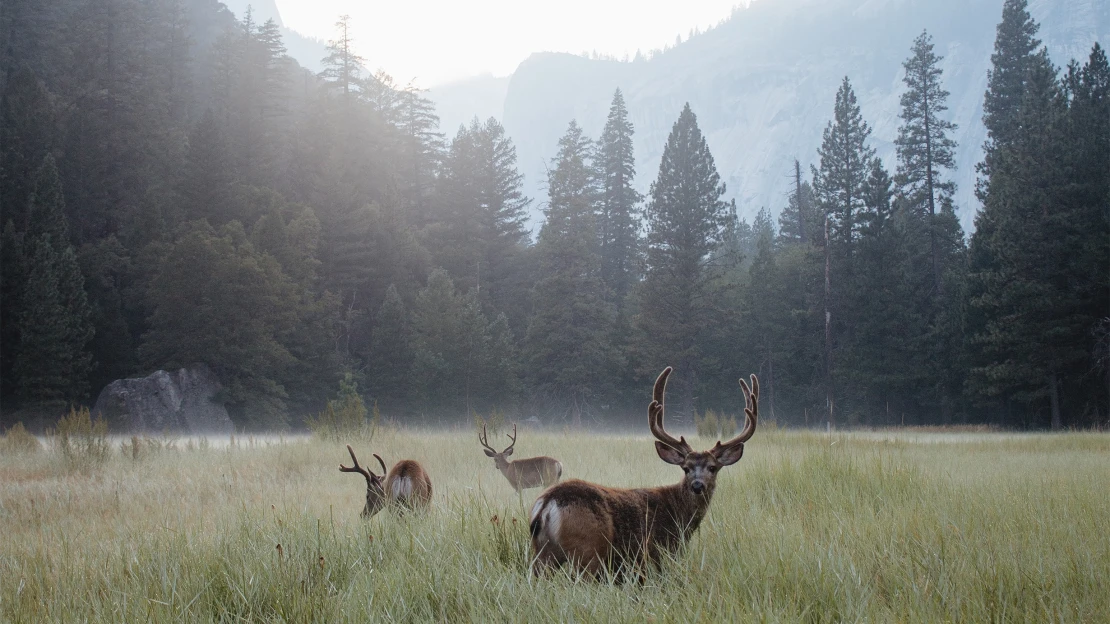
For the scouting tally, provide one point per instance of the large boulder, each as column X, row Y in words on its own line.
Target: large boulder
column 179, row 402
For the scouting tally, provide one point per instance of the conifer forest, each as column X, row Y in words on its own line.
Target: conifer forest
column 175, row 189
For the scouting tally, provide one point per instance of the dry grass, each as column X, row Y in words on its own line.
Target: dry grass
column 925, row 527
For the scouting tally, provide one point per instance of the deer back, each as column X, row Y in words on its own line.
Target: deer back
column 408, row 486
column 532, row 472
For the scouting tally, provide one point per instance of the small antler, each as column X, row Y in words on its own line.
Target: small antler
column 751, row 411
column 357, row 468
column 511, row 437
column 655, row 416
column 483, row 439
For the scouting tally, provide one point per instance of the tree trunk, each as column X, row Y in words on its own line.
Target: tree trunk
column 798, row 200
column 1054, row 397
column 828, row 330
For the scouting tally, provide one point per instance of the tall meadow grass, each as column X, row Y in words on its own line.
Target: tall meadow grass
column 805, row 528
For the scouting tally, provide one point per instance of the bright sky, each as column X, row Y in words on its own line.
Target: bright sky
column 436, row 41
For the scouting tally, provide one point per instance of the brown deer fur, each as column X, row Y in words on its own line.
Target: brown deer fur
column 406, row 486
column 523, row 473
column 594, row 527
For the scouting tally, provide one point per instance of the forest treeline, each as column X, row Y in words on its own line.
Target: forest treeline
column 177, row 190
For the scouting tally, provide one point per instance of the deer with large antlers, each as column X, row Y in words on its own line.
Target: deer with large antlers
column 522, row 473
column 406, row 486
column 595, row 528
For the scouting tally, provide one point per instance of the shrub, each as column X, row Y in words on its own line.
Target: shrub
column 82, row 442
column 728, row 426
column 708, row 426
column 140, row 448
column 344, row 417
column 19, row 440
column 494, row 424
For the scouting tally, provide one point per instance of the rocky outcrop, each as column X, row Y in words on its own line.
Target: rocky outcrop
column 163, row 402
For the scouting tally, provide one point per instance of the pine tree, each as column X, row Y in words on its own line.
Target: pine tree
column 567, row 346
column 46, row 207
column 456, row 359
column 618, row 223
column 110, row 276
column 13, row 277
column 343, row 67
column 28, row 129
column 882, row 363
column 688, row 221
column 838, row 184
column 924, row 147
column 206, row 182
column 479, row 237
column 51, row 364
column 845, row 163
column 391, row 352
column 1035, row 330
column 798, row 221
column 1015, row 47
column 422, row 148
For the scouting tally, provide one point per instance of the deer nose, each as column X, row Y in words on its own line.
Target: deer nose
column 697, row 486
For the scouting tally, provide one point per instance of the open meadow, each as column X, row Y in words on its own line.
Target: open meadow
column 806, row 527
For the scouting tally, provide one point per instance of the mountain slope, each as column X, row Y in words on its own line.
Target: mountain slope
column 763, row 84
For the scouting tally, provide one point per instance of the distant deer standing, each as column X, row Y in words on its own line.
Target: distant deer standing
column 406, row 487
column 594, row 527
column 523, row 473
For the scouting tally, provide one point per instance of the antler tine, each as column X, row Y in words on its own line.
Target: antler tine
column 751, row 411
column 655, row 415
column 357, row 468
column 379, row 458
column 483, row 439
column 511, row 437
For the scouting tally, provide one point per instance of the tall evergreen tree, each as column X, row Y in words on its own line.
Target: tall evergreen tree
column 51, row 363
column 422, row 147
column 28, row 130
column 391, row 351
column 845, row 163
column 480, row 235
column 13, row 277
column 568, row 342
column 924, row 146
column 1015, row 47
column 206, row 182
column 1033, row 336
column 459, row 356
column 343, row 67
column 688, row 221
column 618, row 222
column 799, row 220
column 839, row 182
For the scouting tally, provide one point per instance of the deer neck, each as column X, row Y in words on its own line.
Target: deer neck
column 685, row 508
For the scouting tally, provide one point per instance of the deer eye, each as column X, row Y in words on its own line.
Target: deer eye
column 713, row 469
column 686, row 469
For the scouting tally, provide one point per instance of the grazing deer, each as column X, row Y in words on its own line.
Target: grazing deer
column 523, row 473
column 406, row 487
column 596, row 527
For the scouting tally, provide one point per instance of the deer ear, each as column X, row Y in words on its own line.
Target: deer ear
column 668, row 454
column 488, row 453
column 508, row 451
column 728, row 455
